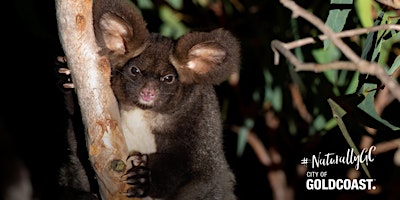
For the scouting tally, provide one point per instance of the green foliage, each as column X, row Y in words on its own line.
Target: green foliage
column 365, row 109
column 395, row 66
column 242, row 135
column 338, row 113
column 145, row 4
column 384, row 47
column 367, row 105
column 337, row 18
column 330, row 95
column 172, row 25
column 326, row 55
column 363, row 9
column 176, row 4
column 273, row 95
column 385, row 39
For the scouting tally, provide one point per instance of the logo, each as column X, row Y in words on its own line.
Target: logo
column 319, row 180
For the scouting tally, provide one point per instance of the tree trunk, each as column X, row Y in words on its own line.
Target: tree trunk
column 91, row 77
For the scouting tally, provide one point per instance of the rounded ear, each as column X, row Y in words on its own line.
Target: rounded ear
column 120, row 30
column 206, row 57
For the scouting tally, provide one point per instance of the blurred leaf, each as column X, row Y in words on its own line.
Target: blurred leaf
column 295, row 31
column 331, row 75
column 330, row 54
column 383, row 49
column 242, row 140
column 330, row 124
column 338, row 114
column 367, row 105
column 277, row 99
column 387, row 19
column 370, row 37
column 273, row 94
column 177, row 4
column 228, row 7
column 364, row 11
column 145, row 4
column 172, row 26
column 256, row 96
column 242, row 135
column 395, row 65
column 377, row 50
column 352, row 87
column 342, row 78
column 336, row 20
column 319, row 122
column 386, row 48
column 203, row 3
column 292, row 126
column 268, row 77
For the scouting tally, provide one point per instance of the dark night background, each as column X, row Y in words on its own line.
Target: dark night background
column 32, row 125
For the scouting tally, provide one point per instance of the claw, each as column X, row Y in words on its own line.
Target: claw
column 68, row 85
column 138, row 159
column 61, row 59
column 65, row 71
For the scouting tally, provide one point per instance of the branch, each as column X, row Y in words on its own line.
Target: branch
column 299, row 103
column 357, row 63
column 91, row 74
column 343, row 34
column 391, row 3
column 271, row 159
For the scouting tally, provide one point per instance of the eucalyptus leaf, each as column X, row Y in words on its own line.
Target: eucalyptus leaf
column 172, row 26
column 338, row 113
column 363, row 9
column 395, row 65
column 145, row 4
column 386, row 49
column 352, row 86
column 387, row 19
column 330, row 54
column 336, row 21
column 177, row 4
column 331, row 75
column 242, row 135
column 377, row 50
column 367, row 105
column 242, row 140
column 330, row 124
column 319, row 122
column 276, row 100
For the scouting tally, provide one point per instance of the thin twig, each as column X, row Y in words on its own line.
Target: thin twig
column 343, row 34
column 361, row 65
column 391, row 3
column 299, row 103
column 258, row 147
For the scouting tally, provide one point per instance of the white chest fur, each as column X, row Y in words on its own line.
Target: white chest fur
column 136, row 128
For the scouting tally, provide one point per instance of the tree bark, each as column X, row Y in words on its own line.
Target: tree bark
column 91, row 77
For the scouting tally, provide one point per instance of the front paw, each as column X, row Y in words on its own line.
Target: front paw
column 138, row 176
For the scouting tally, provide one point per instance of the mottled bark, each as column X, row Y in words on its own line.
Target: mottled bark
column 91, row 74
